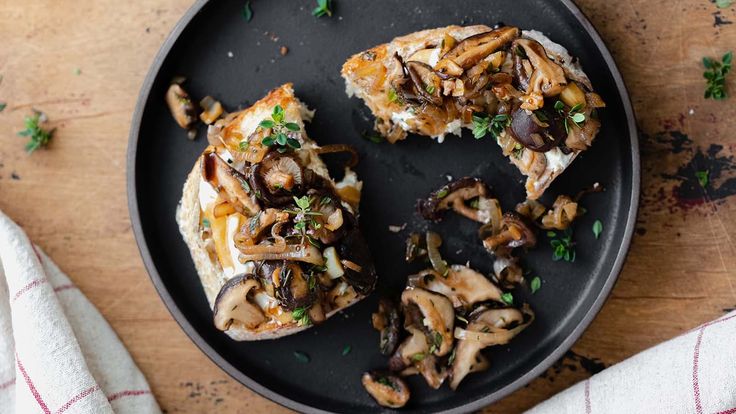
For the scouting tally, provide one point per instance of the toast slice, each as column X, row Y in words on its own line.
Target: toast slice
column 517, row 86
column 274, row 239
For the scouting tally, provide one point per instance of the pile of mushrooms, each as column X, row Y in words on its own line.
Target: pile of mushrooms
column 500, row 72
column 297, row 238
column 450, row 313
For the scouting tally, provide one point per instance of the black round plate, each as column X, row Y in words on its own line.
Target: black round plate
column 238, row 62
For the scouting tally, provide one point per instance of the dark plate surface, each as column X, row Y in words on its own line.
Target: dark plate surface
column 238, row 62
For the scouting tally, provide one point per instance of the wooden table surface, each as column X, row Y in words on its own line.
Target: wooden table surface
column 83, row 63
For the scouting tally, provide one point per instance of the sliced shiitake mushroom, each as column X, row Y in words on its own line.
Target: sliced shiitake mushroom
column 181, row 106
column 277, row 179
column 360, row 272
column 539, row 130
column 561, row 215
column 427, row 84
column 230, row 183
column 471, row 50
column 292, row 286
column 388, row 390
column 386, row 321
column 232, row 303
column 453, row 195
column 463, row 285
column 515, row 232
column 537, row 75
column 438, row 317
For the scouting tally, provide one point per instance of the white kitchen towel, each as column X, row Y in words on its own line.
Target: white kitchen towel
column 692, row 373
column 57, row 353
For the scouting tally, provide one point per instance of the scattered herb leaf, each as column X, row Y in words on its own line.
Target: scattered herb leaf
column 323, row 8
column 722, row 4
column 597, row 228
column 301, row 316
column 564, row 246
column 301, row 357
column 346, row 350
column 206, row 222
column 507, row 298
column 715, row 76
column 39, row 137
column 419, row 356
column 573, row 116
column 451, row 359
column 703, row 177
column 2, row 106
column 247, row 12
column 482, row 125
column 77, row 71
column 536, row 284
column 374, row 137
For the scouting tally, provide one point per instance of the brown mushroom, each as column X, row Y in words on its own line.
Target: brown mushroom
column 388, row 390
column 386, row 321
column 453, row 195
column 292, row 286
column 515, row 232
column 181, row 106
column 463, row 285
column 211, row 110
column 471, row 50
column 233, row 305
column 230, row 183
column 414, row 357
column 487, row 327
column 538, row 76
column 277, row 179
column 561, row 215
column 427, row 84
column 539, row 130
column 438, row 317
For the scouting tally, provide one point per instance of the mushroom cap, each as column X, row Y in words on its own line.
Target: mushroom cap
column 232, row 303
column 387, row 389
column 438, row 317
column 463, row 286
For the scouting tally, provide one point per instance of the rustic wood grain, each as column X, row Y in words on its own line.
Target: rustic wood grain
column 83, row 64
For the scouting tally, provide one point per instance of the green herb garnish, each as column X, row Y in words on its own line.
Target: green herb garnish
column 346, row 350
column 535, row 284
column 430, row 89
column 2, row 106
column 385, row 381
column 597, row 228
column 304, row 217
column 442, row 192
column 564, row 247
column 282, row 133
column 573, row 116
column 715, row 76
column 507, row 298
column 374, row 137
column 703, row 177
column 205, row 223
column 247, row 12
column 393, row 96
column 301, row 357
column 301, row 316
column 39, row 137
column 419, row 356
column 722, row 4
column 484, row 124
column 436, row 343
column 451, row 359
column 517, row 151
column 323, row 8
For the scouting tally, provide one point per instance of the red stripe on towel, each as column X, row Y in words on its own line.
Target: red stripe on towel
column 588, row 409
column 26, row 288
column 729, row 411
column 7, row 384
column 64, row 287
column 127, row 393
column 31, row 387
column 696, row 385
column 77, row 398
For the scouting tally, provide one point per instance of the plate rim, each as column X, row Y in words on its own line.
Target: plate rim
column 280, row 399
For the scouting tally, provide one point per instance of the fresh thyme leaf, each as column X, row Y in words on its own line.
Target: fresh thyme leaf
column 507, row 298
column 715, row 76
column 536, row 284
column 301, row 316
column 451, row 359
column 480, row 126
column 559, row 106
column 578, row 118
column 301, row 357
column 484, row 124
column 346, row 350
column 243, row 146
column 292, row 126
column 393, row 96
column 442, row 193
column 282, row 133
column 563, row 247
column 323, row 8
column 2, row 106
column 385, row 381
column 703, row 177
column 266, row 124
column 551, row 234
column 597, row 228
column 722, row 4
column 430, row 89
column 373, row 137
column 206, row 223
column 39, row 137
column 517, row 151
column 247, row 12
column 419, row 356
column 77, row 71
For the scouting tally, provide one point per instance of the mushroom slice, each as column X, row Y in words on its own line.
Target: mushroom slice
column 531, row 209
column 539, row 130
column 295, row 252
column 413, row 357
column 232, row 304
column 474, row 48
column 562, row 214
column 487, row 327
column 546, row 79
column 463, row 285
column 438, row 317
column 181, row 106
column 292, row 286
column 386, row 321
column 453, row 195
column 277, row 179
column 230, row 183
column 507, row 270
column 357, row 262
column 388, row 390
column 426, row 82
column 515, row 232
